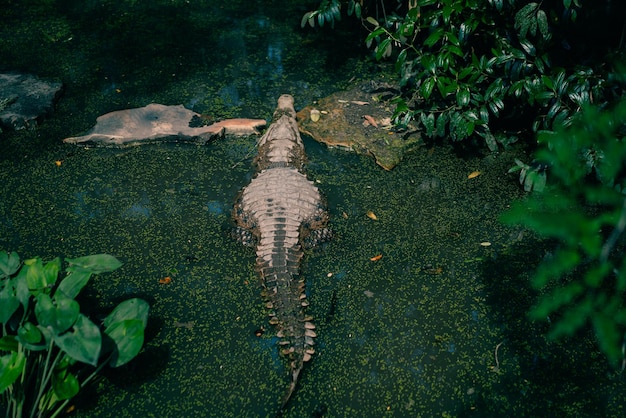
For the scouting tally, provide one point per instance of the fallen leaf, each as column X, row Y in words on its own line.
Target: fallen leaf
column 485, row 244
column 368, row 293
column 58, row 163
column 165, row 280
column 371, row 120
column 376, row 257
column 359, row 102
column 473, row 174
column 372, row 215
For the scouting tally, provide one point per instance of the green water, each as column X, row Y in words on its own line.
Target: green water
column 412, row 334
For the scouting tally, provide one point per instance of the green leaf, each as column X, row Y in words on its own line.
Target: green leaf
column 98, row 263
column 82, row 342
column 58, row 316
column 608, row 335
column 73, row 283
column 28, row 333
column 428, row 120
column 9, row 343
column 51, row 271
column 9, row 263
column 36, row 279
column 375, row 33
column 128, row 336
column 434, row 37
column 65, row 385
column 372, row 21
column 11, row 368
column 463, row 96
column 129, row 309
column 441, row 124
column 542, row 23
column 8, row 302
column 427, row 86
column 383, row 48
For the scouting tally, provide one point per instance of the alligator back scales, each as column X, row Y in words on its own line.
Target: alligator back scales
column 279, row 211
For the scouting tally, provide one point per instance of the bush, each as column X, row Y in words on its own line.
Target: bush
column 46, row 338
column 489, row 68
column 584, row 209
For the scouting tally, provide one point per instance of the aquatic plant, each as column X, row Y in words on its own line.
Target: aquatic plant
column 582, row 208
column 49, row 348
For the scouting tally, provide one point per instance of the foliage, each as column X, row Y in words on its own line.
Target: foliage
column 500, row 69
column 490, row 68
column 584, row 209
column 45, row 337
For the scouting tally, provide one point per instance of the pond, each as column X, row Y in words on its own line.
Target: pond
column 434, row 327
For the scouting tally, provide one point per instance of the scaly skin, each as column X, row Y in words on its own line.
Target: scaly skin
column 281, row 208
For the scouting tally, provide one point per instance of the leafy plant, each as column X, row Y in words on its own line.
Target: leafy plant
column 583, row 208
column 492, row 69
column 46, row 339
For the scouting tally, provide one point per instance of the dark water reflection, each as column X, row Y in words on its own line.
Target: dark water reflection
column 412, row 334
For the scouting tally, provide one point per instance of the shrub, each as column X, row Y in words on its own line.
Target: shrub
column 584, row 209
column 489, row 68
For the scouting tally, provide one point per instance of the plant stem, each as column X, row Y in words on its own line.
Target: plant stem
column 47, row 372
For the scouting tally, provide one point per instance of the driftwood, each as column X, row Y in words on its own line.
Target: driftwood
column 157, row 122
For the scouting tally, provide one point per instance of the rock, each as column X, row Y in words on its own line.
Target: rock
column 358, row 119
column 157, row 122
column 25, row 99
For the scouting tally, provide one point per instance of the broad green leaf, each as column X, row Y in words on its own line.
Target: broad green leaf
column 427, row 86
column 73, row 283
column 428, row 120
column 98, row 263
column 9, row 263
column 36, row 278
column 20, row 285
column 441, row 124
column 434, row 37
column 129, row 309
column 463, row 97
column 29, row 334
column 59, row 315
column 11, row 368
column 65, row 385
column 8, row 302
column 82, row 342
column 383, row 49
column 128, row 336
column 542, row 23
column 9, row 343
column 51, row 271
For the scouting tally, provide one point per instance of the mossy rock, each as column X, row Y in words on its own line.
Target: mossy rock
column 359, row 119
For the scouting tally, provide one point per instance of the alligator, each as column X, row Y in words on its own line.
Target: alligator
column 281, row 212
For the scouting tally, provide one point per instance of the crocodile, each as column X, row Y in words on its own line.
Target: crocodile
column 280, row 212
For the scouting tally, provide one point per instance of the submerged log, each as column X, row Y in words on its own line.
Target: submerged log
column 157, row 123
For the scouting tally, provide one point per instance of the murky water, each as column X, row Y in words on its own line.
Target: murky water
column 412, row 334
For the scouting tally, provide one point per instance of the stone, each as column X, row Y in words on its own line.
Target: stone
column 157, row 122
column 359, row 119
column 25, row 100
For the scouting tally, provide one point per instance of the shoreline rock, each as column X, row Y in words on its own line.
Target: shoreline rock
column 25, row 100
